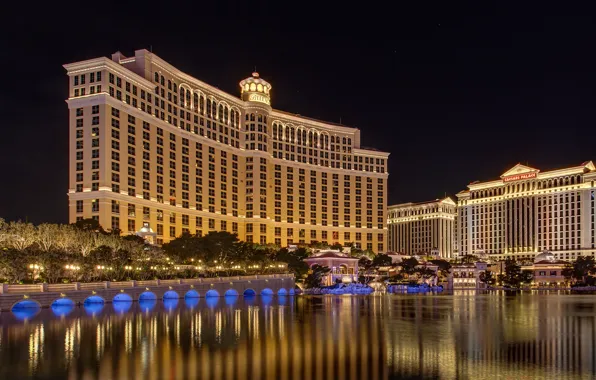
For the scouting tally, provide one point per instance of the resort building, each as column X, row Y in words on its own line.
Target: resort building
column 421, row 229
column 153, row 147
column 343, row 267
column 548, row 271
column 467, row 276
column 527, row 211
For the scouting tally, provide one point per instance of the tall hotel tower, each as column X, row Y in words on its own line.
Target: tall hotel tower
column 528, row 211
column 153, row 147
column 423, row 228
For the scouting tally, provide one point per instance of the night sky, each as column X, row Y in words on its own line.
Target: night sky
column 455, row 94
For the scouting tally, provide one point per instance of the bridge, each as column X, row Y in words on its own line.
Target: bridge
column 46, row 295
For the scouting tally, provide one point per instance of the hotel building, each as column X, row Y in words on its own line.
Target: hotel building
column 423, row 228
column 151, row 146
column 527, row 211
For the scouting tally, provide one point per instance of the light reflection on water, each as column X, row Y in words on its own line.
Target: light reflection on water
column 464, row 336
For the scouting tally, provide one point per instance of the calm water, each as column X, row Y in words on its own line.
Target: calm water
column 461, row 336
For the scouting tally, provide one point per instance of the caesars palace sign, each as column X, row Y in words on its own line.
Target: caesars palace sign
column 519, row 177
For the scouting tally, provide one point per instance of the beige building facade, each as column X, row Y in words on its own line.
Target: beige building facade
column 528, row 211
column 426, row 228
column 153, row 147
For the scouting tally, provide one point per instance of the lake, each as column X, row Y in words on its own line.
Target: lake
column 448, row 336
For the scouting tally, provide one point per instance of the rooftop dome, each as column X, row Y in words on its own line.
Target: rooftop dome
column 256, row 89
column 544, row 256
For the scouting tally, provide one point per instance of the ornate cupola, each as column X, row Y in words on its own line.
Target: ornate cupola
column 255, row 89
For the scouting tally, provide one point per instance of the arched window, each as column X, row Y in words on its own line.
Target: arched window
column 156, row 77
column 220, row 113
column 174, row 87
column 195, row 101
column 202, row 105
column 169, row 84
column 226, row 115
column 162, row 80
column 181, row 95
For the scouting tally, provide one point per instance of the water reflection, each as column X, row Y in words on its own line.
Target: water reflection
column 212, row 301
column 62, row 310
column 147, row 304
column 93, row 308
column 191, row 303
column 335, row 337
column 231, row 300
column 170, row 303
column 121, row 307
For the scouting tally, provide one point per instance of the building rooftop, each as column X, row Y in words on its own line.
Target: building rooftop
column 447, row 200
column 331, row 254
column 521, row 172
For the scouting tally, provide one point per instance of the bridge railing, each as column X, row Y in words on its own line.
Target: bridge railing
column 43, row 287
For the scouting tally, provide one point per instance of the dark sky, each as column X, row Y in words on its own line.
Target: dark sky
column 456, row 94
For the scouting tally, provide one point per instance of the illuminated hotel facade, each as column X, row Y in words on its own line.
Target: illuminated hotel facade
column 423, row 228
column 151, row 146
column 527, row 211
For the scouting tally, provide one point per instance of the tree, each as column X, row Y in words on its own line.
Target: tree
column 488, row 278
column 355, row 251
column 381, row 260
column 526, row 276
column 134, row 238
column 408, row 266
column 184, row 248
column 337, row 246
column 512, row 278
column 295, row 261
column 14, row 265
column 53, row 262
column 20, row 235
column 444, row 267
column 314, row 278
column 89, row 224
column 218, row 247
column 365, row 270
column 580, row 269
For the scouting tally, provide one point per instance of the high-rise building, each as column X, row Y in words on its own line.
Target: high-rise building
column 423, row 228
column 527, row 211
column 153, row 147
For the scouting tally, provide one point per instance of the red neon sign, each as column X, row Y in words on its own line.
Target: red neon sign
column 519, row 177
